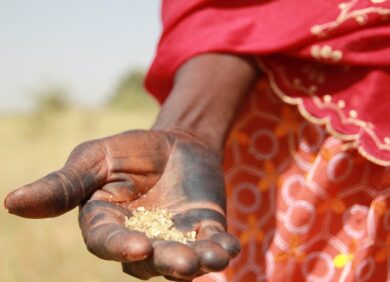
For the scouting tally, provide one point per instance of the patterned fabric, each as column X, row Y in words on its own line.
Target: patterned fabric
column 351, row 101
column 305, row 206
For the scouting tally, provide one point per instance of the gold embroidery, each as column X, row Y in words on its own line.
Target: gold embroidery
column 326, row 52
column 346, row 13
column 341, row 104
column 353, row 114
column 327, row 99
column 352, row 119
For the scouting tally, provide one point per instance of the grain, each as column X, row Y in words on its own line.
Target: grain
column 157, row 224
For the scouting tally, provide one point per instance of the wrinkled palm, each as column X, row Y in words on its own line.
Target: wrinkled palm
column 154, row 169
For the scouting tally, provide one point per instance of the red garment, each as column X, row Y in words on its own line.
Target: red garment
column 330, row 58
column 303, row 207
column 303, row 201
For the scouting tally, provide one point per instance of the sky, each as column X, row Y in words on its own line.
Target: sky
column 83, row 46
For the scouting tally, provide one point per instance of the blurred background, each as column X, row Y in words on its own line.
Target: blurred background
column 70, row 71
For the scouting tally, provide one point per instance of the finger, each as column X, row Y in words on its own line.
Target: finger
column 120, row 191
column 175, row 260
column 171, row 278
column 170, row 259
column 193, row 219
column 62, row 190
column 141, row 269
column 102, row 226
column 216, row 233
column 212, row 256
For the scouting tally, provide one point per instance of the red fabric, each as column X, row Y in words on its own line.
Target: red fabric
column 304, row 207
column 288, row 35
column 362, row 90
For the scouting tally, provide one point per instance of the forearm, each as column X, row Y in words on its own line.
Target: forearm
column 207, row 93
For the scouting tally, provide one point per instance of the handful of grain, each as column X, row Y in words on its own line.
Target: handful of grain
column 157, row 224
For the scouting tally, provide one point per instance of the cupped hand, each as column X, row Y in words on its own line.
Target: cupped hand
column 110, row 177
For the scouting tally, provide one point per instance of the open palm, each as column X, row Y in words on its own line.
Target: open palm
column 110, row 177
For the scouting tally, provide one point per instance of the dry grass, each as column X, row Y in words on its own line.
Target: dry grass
column 51, row 249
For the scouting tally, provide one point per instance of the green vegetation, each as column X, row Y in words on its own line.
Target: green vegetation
column 130, row 93
column 51, row 100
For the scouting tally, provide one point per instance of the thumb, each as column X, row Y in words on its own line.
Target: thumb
column 64, row 189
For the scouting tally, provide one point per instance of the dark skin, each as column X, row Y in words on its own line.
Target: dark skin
column 175, row 165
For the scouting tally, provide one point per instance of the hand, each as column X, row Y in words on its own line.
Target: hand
column 152, row 169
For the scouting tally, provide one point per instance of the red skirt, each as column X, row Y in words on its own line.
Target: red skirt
column 305, row 205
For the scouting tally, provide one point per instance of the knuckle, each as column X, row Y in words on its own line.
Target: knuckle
column 85, row 146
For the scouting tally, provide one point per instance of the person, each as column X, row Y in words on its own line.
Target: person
column 275, row 107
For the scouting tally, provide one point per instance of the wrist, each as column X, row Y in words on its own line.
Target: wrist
column 207, row 93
